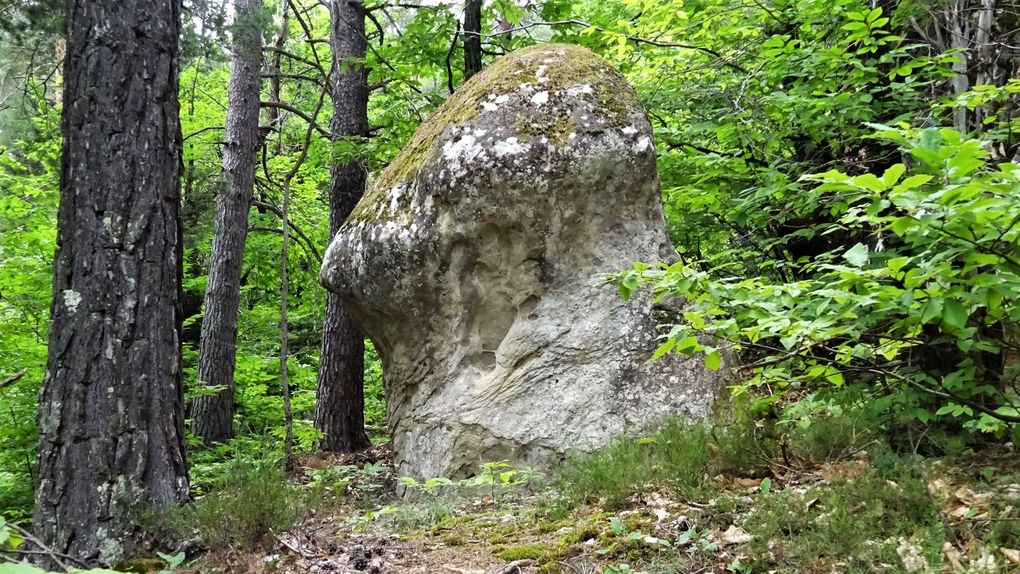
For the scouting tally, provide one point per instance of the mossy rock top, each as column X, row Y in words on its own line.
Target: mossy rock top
column 548, row 93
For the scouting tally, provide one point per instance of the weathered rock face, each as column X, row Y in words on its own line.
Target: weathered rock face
column 470, row 264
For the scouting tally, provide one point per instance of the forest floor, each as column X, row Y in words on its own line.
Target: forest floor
column 853, row 512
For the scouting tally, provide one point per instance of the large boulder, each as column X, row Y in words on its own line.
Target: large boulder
column 472, row 261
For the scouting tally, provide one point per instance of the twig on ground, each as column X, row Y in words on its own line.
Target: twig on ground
column 44, row 550
column 13, row 378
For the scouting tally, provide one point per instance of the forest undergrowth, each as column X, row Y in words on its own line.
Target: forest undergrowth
column 833, row 496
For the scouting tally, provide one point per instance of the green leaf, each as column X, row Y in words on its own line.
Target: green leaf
column 20, row 569
column 901, row 224
column 932, row 310
column 893, row 174
column 766, row 485
column 627, row 285
column 617, row 525
column 955, row 314
column 713, row 360
column 897, row 263
column 857, row 255
column 664, row 348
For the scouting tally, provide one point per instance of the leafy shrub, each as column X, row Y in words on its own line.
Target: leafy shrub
column 920, row 313
column 828, row 425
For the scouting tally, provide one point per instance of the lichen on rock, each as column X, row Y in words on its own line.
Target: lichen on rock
column 470, row 264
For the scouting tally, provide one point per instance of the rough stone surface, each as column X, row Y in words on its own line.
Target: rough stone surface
column 471, row 264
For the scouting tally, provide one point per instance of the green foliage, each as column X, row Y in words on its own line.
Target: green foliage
column 28, row 204
column 10, row 538
column 337, row 484
column 375, row 396
column 920, row 314
column 494, row 479
column 250, row 503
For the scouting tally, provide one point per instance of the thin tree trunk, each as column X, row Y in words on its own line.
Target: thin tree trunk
column 959, row 29
column 274, row 82
column 213, row 414
column 110, row 412
column 340, row 399
column 288, row 441
column 472, row 37
column 284, row 286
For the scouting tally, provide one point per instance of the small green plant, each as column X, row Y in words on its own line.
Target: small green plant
column 500, row 478
column 361, row 522
column 433, row 487
column 331, row 479
column 173, row 561
column 253, row 501
column 694, row 541
column 496, row 479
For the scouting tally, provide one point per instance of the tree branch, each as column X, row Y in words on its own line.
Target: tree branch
column 13, row 378
column 287, row 107
column 279, row 213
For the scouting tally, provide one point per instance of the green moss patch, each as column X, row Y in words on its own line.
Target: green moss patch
column 609, row 92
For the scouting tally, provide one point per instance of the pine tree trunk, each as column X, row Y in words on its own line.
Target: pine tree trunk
column 110, row 412
column 340, row 399
column 213, row 414
column 472, row 37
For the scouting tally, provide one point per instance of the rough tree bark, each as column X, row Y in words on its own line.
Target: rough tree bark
column 472, row 37
column 213, row 414
column 340, row 399
column 110, row 412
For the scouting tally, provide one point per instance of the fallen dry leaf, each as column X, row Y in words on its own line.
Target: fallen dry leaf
column 971, row 498
column 734, row 535
column 1011, row 555
column 953, row 556
column 844, row 470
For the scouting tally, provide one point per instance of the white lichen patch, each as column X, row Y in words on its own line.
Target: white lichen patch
column 540, row 98
column 540, row 76
column 395, row 194
column 629, row 130
column 489, row 107
column 643, row 144
column 580, row 90
column 463, row 149
column 509, row 146
column 72, row 299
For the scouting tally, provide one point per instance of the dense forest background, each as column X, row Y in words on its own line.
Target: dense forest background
column 837, row 175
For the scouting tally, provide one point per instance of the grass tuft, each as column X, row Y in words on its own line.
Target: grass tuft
column 248, row 505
